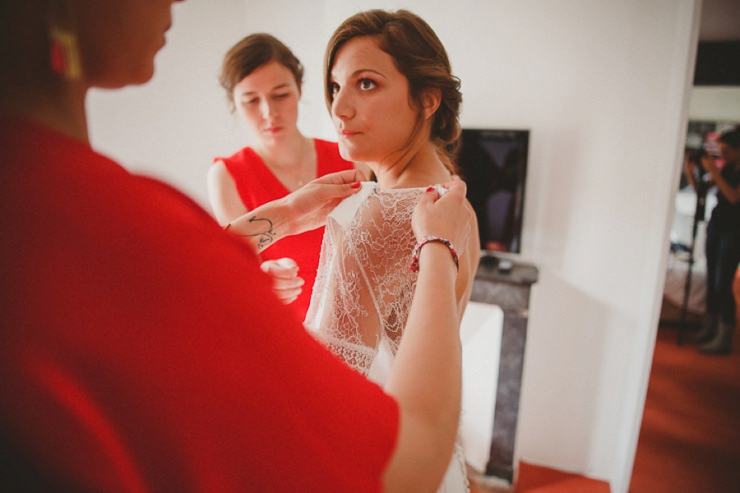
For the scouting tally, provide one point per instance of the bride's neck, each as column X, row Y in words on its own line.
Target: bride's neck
column 423, row 168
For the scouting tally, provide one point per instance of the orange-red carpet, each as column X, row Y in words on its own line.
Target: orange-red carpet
column 537, row 479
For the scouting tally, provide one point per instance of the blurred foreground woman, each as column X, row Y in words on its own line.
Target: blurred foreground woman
column 142, row 348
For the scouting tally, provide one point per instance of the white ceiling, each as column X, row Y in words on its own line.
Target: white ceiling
column 720, row 20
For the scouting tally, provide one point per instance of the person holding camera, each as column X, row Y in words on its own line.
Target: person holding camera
column 722, row 243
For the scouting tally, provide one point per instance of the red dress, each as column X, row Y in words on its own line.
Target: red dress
column 142, row 348
column 257, row 185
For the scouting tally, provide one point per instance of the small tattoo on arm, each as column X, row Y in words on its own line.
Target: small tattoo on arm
column 265, row 237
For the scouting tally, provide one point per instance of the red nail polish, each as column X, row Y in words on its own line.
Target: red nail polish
column 430, row 189
column 355, row 185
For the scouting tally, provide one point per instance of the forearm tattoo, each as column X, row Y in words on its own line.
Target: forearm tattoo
column 264, row 237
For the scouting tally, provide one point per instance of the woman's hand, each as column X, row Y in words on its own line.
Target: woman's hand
column 311, row 204
column 447, row 216
column 285, row 281
column 732, row 194
column 688, row 165
column 303, row 210
column 709, row 164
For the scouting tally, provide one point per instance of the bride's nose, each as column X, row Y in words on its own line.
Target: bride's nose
column 342, row 106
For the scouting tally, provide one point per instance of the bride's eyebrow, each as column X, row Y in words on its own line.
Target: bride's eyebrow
column 357, row 74
column 361, row 71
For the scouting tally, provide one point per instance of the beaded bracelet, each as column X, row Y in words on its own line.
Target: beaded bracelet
column 427, row 239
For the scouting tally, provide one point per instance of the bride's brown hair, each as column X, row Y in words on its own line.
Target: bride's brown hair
column 420, row 56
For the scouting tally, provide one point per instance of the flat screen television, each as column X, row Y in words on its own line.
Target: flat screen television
column 493, row 163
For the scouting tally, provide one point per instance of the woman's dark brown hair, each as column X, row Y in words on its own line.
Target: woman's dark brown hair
column 251, row 53
column 731, row 137
column 419, row 55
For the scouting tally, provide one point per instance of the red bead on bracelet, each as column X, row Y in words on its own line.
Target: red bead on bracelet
column 427, row 239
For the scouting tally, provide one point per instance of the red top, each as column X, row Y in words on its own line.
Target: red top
column 257, row 185
column 143, row 350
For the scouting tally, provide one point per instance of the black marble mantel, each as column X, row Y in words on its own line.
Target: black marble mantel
column 510, row 290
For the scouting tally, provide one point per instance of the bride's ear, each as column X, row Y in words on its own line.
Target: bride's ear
column 430, row 101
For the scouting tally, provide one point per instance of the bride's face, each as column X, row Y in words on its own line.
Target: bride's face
column 371, row 107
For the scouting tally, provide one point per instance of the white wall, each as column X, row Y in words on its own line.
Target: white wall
column 715, row 103
column 173, row 126
column 603, row 86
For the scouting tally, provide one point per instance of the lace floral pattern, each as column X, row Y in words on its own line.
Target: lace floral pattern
column 364, row 287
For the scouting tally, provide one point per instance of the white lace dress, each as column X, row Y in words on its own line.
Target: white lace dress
column 364, row 287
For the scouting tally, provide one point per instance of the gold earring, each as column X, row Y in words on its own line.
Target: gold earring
column 64, row 55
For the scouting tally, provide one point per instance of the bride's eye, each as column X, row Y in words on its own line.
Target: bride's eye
column 367, row 84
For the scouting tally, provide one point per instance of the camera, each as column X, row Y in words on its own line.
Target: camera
column 695, row 157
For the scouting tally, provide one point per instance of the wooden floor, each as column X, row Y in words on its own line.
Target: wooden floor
column 690, row 435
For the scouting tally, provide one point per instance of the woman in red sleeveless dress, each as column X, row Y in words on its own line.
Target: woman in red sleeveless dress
column 263, row 81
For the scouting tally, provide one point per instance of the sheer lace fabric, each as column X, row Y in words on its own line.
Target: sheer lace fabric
column 364, row 288
column 363, row 285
